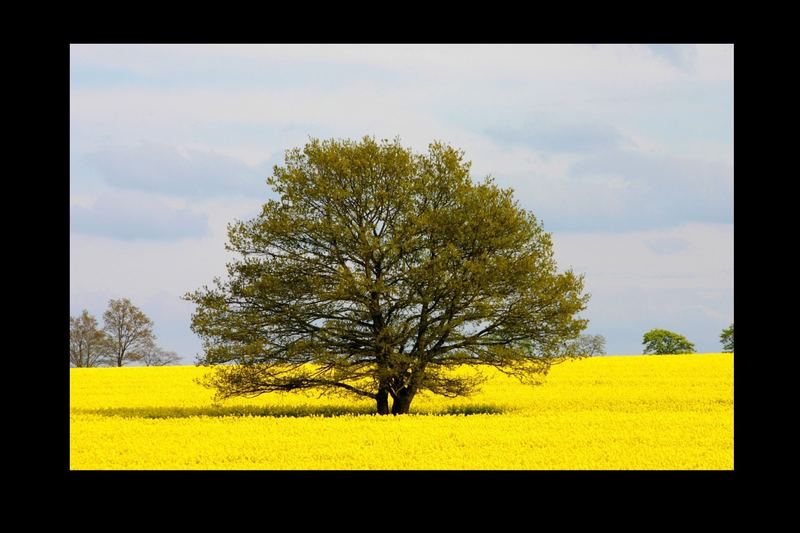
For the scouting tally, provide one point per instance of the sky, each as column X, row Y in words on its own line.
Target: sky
column 624, row 152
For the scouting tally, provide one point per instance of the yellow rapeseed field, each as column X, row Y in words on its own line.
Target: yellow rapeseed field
column 637, row 412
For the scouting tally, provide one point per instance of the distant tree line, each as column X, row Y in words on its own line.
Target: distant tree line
column 655, row 341
column 126, row 336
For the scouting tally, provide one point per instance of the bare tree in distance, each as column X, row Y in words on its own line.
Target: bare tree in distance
column 153, row 355
column 588, row 345
column 130, row 330
column 88, row 346
column 583, row 346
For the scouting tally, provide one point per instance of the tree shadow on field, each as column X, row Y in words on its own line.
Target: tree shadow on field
column 278, row 411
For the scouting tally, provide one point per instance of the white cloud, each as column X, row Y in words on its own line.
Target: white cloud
column 146, row 266
column 559, row 62
column 136, row 216
column 714, row 62
column 704, row 259
column 272, row 106
column 165, row 169
column 459, row 82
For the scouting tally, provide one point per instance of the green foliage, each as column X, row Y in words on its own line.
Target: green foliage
column 384, row 268
column 662, row 341
column 726, row 338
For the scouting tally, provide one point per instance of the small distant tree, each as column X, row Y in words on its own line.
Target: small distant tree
column 587, row 345
column 662, row 341
column 153, row 355
column 130, row 330
column 582, row 346
column 726, row 338
column 88, row 346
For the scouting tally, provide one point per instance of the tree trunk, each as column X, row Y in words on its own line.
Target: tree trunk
column 383, row 401
column 402, row 401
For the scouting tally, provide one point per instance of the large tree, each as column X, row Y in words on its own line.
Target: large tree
column 130, row 330
column 376, row 272
column 88, row 346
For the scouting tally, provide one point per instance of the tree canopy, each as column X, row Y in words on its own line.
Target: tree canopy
column 376, row 272
column 726, row 338
column 662, row 341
